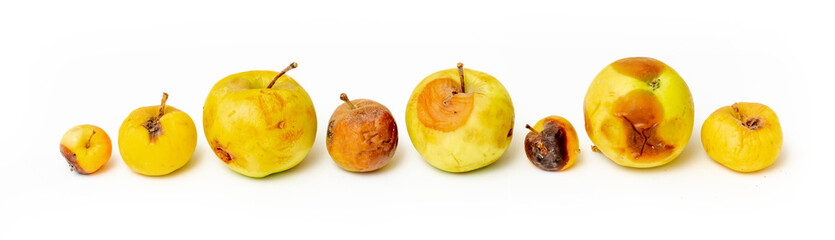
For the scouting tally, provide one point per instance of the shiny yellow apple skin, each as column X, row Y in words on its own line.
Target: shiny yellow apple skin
column 163, row 154
column 86, row 148
column 258, row 131
column 476, row 143
column 639, row 112
column 744, row 137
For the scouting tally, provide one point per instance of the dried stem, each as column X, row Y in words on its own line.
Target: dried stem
column 531, row 128
column 89, row 139
column 344, row 97
column 461, row 76
column 162, row 105
column 288, row 68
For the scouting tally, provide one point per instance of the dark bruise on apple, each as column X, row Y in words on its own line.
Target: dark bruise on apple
column 752, row 123
column 547, row 149
column 641, row 112
column 361, row 135
column 444, row 104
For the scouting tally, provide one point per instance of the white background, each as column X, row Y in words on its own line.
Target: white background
column 66, row 63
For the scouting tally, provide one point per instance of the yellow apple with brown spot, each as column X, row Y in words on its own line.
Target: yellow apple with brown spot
column 744, row 137
column 157, row 140
column 460, row 119
column 259, row 122
column 86, row 148
column 639, row 112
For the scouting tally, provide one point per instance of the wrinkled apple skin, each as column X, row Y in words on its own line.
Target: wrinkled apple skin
column 729, row 142
column 478, row 142
column 612, row 134
column 258, row 131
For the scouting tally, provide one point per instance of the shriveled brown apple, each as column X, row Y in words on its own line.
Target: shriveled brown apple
column 552, row 144
column 362, row 135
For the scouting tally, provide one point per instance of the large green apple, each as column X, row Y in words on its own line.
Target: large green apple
column 460, row 119
column 259, row 122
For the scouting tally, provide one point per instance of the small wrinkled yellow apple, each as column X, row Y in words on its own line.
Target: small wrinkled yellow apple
column 460, row 120
column 86, row 148
column 639, row 112
column 744, row 137
column 156, row 140
column 259, row 122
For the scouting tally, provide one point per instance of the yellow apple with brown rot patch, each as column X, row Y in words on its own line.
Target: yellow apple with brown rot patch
column 639, row 112
column 460, row 119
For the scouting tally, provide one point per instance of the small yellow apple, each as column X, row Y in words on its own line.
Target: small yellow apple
column 639, row 112
column 156, row 140
column 744, row 137
column 259, row 122
column 86, row 148
column 460, row 120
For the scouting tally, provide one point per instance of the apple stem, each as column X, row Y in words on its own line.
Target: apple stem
column 162, row 104
column 89, row 139
column 531, row 128
column 461, row 75
column 344, row 97
column 288, row 68
column 736, row 112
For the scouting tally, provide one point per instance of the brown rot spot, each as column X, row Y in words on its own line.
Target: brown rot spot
column 154, row 128
column 641, row 113
column 72, row 159
column 753, row 123
column 329, row 135
column 642, row 68
column 221, row 153
column 280, row 124
column 153, row 125
column 442, row 106
column 547, row 149
column 510, row 132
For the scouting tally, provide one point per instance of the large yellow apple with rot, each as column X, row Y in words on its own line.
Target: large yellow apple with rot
column 460, row 119
column 639, row 112
column 259, row 122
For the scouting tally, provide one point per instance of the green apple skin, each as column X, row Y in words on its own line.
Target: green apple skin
column 258, row 131
column 478, row 142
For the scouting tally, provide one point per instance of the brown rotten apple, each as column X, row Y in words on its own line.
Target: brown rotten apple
column 362, row 135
